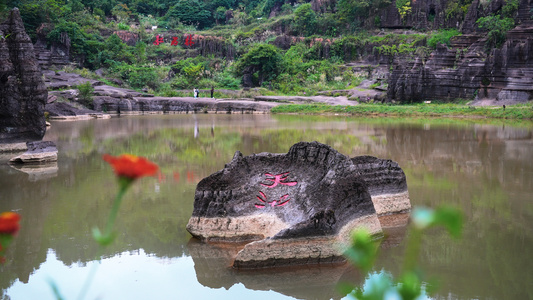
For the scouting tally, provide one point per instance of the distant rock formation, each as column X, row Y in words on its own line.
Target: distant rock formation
column 295, row 208
column 465, row 70
column 22, row 90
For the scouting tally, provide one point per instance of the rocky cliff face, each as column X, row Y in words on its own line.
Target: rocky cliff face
column 436, row 14
column 466, row 71
column 22, row 90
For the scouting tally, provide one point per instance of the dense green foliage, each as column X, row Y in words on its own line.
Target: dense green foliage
column 248, row 29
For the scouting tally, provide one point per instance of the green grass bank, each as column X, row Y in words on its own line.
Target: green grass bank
column 416, row 110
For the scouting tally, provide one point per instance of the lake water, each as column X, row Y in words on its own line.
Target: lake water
column 484, row 169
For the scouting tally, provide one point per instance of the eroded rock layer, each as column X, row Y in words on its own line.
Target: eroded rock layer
column 22, row 91
column 386, row 183
column 465, row 70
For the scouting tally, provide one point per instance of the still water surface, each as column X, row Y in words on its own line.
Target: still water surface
column 486, row 170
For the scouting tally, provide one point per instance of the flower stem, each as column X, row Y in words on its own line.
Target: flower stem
column 124, row 183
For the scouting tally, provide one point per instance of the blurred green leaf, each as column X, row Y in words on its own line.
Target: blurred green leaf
column 448, row 217
column 103, row 239
column 410, row 286
column 451, row 218
column 363, row 250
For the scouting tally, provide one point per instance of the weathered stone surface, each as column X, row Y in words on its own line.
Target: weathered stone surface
column 64, row 80
column 341, row 100
column 57, row 54
column 13, row 147
column 38, row 152
column 62, row 109
column 179, row 104
column 129, row 38
column 300, row 206
column 22, row 90
column 432, row 14
column 386, row 183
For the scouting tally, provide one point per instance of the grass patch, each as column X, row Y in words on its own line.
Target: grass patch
column 419, row 110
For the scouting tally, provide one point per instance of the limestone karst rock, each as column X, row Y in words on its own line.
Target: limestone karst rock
column 294, row 208
column 22, row 90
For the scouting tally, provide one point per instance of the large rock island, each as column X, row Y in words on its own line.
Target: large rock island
column 295, row 208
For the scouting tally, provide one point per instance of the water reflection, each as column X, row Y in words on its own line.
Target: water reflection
column 484, row 169
column 212, row 264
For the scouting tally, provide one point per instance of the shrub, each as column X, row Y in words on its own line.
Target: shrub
column 226, row 80
column 263, row 61
column 137, row 76
column 442, row 37
column 123, row 26
column 85, row 95
column 305, row 19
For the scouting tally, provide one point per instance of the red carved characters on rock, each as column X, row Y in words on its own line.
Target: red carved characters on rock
column 174, row 41
column 188, row 41
column 279, row 179
column 158, row 40
column 263, row 198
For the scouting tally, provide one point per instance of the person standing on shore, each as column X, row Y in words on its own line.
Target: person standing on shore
column 212, row 91
column 195, row 93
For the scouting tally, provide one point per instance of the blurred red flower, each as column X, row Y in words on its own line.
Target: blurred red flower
column 131, row 166
column 9, row 223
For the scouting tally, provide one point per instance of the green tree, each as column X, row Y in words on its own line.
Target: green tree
column 191, row 12
column 510, row 8
column 351, row 10
column 121, row 12
column 404, row 7
column 220, row 14
column 305, row 19
column 497, row 29
column 263, row 61
column 78, row 38
column 36, row 12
